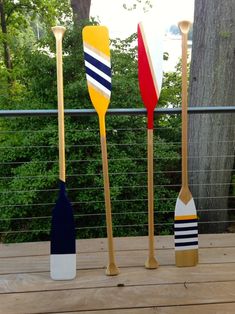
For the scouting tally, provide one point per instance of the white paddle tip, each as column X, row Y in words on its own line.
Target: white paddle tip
column 63, row 266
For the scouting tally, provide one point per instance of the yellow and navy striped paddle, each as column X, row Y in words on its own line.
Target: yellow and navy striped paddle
column 98, row 74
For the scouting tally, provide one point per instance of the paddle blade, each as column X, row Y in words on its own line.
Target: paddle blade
column 186, row 231
column 63, row 239
column 98, row 66
column 150, row 59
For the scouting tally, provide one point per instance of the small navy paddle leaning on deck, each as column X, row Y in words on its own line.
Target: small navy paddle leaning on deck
column 63, row 234
column 186, row 222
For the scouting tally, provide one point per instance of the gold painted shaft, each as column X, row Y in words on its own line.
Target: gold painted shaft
column 111, row 269
column 186, row 258
column 184, row 112
column 151, row 262
column 59, row 32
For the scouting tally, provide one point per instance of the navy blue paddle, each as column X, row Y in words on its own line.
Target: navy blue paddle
column 63, row 233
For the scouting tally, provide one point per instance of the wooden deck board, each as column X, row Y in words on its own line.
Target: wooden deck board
column 224, row 308
column 28, row 264
column 25, row 285
column 121, row 244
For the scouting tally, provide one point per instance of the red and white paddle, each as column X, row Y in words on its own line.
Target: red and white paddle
column 150, row 59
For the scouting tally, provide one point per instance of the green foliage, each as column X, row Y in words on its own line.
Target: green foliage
column 29, row 154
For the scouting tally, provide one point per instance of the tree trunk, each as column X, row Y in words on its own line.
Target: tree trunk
column 7, row 55
column 211, row 136
column 81, row 10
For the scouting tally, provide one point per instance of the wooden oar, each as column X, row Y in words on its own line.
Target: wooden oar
column 98, row 73
column 150, row 58
column 186, row 225
column 63, row 234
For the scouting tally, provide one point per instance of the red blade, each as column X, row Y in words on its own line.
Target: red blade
column 149, row 72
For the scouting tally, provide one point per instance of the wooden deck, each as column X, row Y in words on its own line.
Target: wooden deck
column 25, row 285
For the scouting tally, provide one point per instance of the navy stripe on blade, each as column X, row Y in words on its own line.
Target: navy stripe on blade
column 98, row 78
column 185, row 228
column 181, row 244
column 185, row 221
column 63, row 234
column 186, row 236
column 99, row 65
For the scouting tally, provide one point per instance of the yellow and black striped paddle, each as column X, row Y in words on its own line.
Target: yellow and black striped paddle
column 186, row 222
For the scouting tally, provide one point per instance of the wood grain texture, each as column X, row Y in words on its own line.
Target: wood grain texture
column 132, row 258
column 26, row 286
column 121, row 244
column 112, row 269
column 212, row 82
column 114, row 298
column 225, row 308
column 59, row 33
column 151, row 262
column 134, row 276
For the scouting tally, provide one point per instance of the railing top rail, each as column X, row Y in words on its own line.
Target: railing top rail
column 117, row 111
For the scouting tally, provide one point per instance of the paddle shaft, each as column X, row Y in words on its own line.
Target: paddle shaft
column 59, row 32
column 184, row 112
column 107, row 195
column 150, row 194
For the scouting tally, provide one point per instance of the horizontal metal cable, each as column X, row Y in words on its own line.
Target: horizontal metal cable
column 113, row 144
column 114, row 159
column 113, row 174
column 116, row 187
column 162, row 199
column 142, row 202
column 116, row 214
column 114, row 227
column 97, row 130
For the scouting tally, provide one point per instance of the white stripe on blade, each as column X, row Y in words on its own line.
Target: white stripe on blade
column 186, row 232
column 98, row 85
column 184, row 210
column 185, row 224
column 98, row 57
column 186, row 240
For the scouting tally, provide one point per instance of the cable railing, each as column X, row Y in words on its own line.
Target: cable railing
column 29, row 173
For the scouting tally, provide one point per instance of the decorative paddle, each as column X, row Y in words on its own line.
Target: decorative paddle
column 150, row 58
column 63, row 234
column 186, row 225
column 98, row 74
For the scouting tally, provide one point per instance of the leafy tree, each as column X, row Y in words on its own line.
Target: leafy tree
column 30, row 158
column 17, row 17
